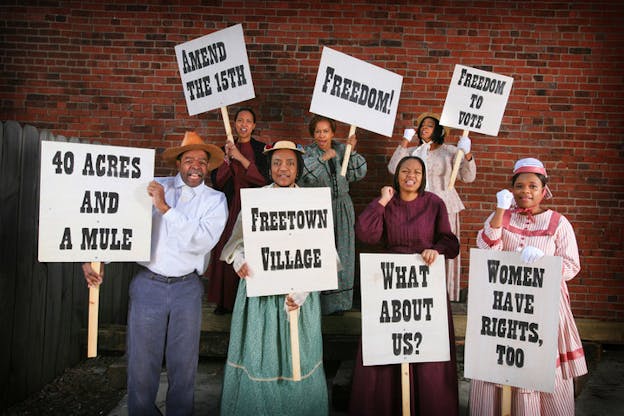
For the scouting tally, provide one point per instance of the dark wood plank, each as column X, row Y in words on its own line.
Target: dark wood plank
column 10, row 133
column 27, row 266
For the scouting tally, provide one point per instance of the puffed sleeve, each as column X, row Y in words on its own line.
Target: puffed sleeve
column 567, row 248
column 489, row 238
column 399, row 153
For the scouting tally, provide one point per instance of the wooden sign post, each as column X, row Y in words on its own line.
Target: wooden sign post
column 345, row 161
column 94, row 306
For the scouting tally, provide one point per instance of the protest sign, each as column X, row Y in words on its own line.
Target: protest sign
column 476, row 100
column 93, row 203
column 356, row 92
column 513, row 315
column 404, row 309
column 215, row 70
column 289, row 243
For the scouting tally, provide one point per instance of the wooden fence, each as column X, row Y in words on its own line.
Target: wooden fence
column 43, row 306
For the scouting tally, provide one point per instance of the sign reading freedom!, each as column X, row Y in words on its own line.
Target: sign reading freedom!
column 93, row 203
column 356, row 92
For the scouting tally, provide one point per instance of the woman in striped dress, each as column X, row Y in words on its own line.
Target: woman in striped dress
column 534, row 231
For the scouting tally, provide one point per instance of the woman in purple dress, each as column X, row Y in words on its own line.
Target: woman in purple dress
column 406, row 220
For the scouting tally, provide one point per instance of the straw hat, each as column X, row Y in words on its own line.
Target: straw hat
column 283, row 144
column 423, row 116
column 192, row 141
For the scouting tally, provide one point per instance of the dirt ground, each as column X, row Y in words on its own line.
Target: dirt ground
column 85, row 389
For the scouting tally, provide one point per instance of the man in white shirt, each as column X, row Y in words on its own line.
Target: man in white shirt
column 164, row 313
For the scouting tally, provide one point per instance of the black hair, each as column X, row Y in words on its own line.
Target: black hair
column 541, row 177
column 299, row 164
column 316, row 119
column 438, row 131
column 240, row 110
column 423, row 181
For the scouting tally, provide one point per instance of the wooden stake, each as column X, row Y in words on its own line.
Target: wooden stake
column 345, row 161
column 405, row 388
column 226, row 123
column 458, row 157
column 94, row 306
column 506, row 401
column 293, row 316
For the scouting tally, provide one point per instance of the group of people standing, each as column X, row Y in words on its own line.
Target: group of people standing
column 419, row 214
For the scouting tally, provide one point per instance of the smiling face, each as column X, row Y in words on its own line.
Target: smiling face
column 426, row 129
column 244, row 124
column 409, row 178
column 323, row 135
column 193, row 167
column 284, row 167
column 528, row 191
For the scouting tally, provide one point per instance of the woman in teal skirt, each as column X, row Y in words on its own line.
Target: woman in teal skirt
column 258, row 373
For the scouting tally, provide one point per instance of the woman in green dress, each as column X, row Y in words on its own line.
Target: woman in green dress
column 258, row 375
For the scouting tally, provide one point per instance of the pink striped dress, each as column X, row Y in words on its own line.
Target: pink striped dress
column 553, row 234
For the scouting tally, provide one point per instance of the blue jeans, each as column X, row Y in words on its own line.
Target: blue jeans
column 163, row 318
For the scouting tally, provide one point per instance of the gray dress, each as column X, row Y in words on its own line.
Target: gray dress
column 321, row 173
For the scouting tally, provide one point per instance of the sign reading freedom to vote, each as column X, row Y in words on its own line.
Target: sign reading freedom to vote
column 289, row 240
column 215, row 70
column 476, row 100
column 404, row 309
column 93, row 203
column 356, row 92
column 513, row 315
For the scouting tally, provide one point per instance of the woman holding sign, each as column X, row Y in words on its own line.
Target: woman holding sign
column 259, row 378
column 520, row 223
column 245, row 166
column 408, row 220
column 439, row 158
column 322, row 161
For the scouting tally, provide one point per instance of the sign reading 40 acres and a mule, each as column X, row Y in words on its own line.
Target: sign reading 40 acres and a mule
column 94, row 204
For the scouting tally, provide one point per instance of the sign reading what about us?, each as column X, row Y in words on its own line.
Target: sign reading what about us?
column 215, row 70
column 404, row 309
column 93, row 203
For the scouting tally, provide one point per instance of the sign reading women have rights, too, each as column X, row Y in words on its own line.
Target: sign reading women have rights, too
column 93, row 203
column 214, row 70
column 513, row 313
column 356, row 92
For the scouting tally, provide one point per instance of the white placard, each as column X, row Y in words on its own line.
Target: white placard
column 513, row 314
column 356, row 92
column 289, row 240
column 93, row 203
column 215, row 70
column 476, row 100
column 404, row 309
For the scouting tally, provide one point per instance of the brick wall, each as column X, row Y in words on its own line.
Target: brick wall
column 107, row 71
